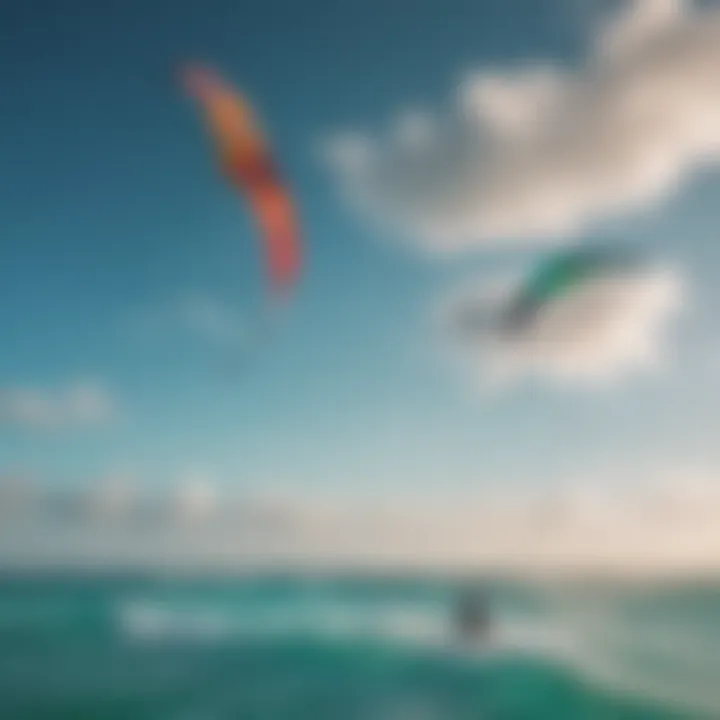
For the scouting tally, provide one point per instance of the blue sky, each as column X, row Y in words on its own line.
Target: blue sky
column 110, row 209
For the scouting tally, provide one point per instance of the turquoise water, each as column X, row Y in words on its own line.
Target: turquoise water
column 351, row 649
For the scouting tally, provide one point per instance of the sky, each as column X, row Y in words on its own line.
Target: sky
column 124, row 257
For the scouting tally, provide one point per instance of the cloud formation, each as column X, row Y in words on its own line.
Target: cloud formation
column 194, row 500
column 643, row 522
column 543, row 153
column 113, row 499
column 85, row 403
column 600, row 330
column 211, row 320
column 201, row 317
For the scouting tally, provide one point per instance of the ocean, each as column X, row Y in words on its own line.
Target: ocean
column 352, row 648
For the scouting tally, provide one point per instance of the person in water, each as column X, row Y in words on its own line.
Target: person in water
column 472, row 621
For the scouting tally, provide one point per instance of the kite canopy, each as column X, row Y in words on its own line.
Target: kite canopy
column 245, row 159
column 560, row 275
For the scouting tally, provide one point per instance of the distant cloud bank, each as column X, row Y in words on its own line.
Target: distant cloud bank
column 663, row 523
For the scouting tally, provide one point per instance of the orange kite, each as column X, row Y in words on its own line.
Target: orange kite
column 246, row 160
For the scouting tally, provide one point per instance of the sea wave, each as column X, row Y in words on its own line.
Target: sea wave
column 613, row 642
column 655, row 645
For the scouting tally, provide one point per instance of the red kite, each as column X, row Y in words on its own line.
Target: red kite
column 245, row 159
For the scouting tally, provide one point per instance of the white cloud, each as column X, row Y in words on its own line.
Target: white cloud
column 602, row 330
column 199, row 317
column 78, row 404
column 212, row 320
column 194, row 500
column 543, row 153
